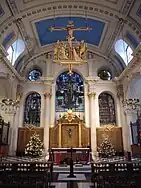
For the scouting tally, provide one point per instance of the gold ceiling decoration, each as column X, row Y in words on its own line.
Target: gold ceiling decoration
column 70, row 52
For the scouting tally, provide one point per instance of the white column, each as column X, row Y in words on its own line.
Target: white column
column 128, row 130
column 125, row 131
column 47, row 121
column 48, row 67
column 13, row 131
column 96, row 111
column 118, row 111
column 93, row 124
column 52, row 117
column 87, row 122
column 42, row 116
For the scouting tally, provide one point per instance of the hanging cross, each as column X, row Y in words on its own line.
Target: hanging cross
column 70, row 28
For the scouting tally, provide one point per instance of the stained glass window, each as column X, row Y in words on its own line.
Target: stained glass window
column 69, row 92
column 106, row 109
column 34, row 75
column 32, row 109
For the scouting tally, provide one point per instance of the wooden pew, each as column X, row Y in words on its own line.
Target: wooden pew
column 25, row 174
column 117, row 174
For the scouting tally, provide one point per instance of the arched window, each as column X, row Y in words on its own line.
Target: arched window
column 34, row 75
column 106, row 109
column 32, row 109
column 15, row 50
column 124, row 50
column 69, row 92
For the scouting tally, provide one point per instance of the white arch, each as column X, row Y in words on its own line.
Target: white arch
column 124, row 50
column 15, row 50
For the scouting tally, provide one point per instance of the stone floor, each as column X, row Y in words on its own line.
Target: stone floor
column 61, row 179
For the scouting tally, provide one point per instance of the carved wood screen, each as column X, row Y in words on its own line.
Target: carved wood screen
column 79, row 135
column 24, row 135
column 115, row 136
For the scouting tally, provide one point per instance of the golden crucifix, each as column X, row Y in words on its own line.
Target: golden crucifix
column 70, row 28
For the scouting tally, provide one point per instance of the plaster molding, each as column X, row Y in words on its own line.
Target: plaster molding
column 92, row 80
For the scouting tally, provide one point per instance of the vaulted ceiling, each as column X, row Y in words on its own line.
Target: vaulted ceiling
column 30, row 20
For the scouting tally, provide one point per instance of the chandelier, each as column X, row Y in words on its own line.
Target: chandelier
column 8, row 105
column 131, row 104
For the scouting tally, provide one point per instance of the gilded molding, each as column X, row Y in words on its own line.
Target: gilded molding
column 92, row 94
column 47, row 95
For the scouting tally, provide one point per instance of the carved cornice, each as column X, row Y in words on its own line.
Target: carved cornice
column 47, row 80
column 92, row 80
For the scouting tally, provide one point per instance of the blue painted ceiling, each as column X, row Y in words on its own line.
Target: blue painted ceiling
column 46, row 36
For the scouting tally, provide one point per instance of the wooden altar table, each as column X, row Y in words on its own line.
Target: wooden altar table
column 62, row 155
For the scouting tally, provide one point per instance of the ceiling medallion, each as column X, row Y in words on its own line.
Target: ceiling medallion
column 70, row 52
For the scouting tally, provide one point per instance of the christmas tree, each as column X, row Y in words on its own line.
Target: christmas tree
column 35, row 147
column 106, row 148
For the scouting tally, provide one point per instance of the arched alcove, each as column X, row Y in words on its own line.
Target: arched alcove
column 107, row 113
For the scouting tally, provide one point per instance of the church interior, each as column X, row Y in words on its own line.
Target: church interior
column 70, row 97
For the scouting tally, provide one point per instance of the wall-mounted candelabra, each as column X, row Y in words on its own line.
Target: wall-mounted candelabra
column 131, row 105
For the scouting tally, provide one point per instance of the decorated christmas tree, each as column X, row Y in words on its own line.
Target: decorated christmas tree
column 35, row 147
column 106, row 148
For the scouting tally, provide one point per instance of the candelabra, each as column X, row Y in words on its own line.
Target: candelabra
column 131, row 104
column 9, row 105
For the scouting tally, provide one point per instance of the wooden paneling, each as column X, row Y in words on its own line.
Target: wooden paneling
column 70, row 139
column 54, row 137
column 66, row 141
column 24, row 135
column 85, row 136
column 115, row 136
column 136, row 150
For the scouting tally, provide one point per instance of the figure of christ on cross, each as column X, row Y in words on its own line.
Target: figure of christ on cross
column 70, row 28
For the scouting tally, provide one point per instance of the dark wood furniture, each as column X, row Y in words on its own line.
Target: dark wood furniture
column 62, row 155
column 26, row 174
column 116, row 174
column 4, row 133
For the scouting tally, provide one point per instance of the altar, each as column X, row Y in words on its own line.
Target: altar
column 63, row 155
column 69, row 132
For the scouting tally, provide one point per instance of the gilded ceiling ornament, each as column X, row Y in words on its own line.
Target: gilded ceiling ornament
column 69, row 52
column 92, row 94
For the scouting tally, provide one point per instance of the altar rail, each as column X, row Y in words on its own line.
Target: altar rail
column 117, row 174
column 26, row 174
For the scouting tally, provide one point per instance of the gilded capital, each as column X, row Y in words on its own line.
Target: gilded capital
column 91, row 94
column 47, row 95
